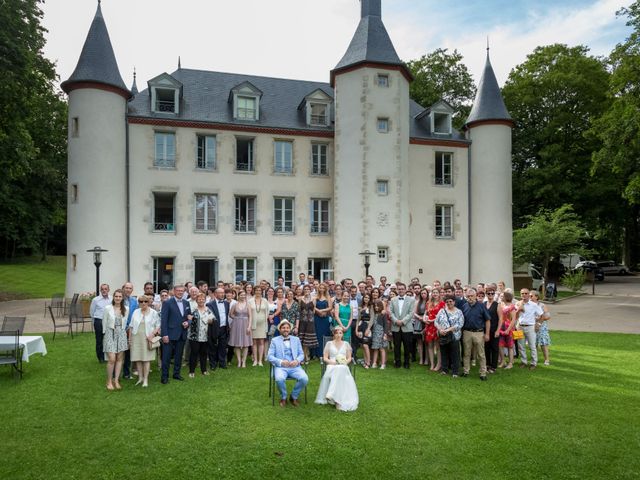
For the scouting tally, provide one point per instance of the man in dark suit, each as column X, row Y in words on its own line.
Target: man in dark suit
column 218, row 345
column 174, row 323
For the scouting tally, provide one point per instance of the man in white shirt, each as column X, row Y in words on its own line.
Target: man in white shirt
column 527, row 313
column 96, row 310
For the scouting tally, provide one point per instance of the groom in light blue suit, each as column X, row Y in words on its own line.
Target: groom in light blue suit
column 286, row 355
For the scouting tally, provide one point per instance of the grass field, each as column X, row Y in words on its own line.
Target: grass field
column 575, row 419
column 31, row 278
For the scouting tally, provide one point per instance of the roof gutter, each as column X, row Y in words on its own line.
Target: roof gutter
column 128, row 198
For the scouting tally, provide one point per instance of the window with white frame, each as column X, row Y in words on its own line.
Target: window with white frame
column 383, row 125
column 444, row 221
column 206, row 212
column 319, row 114
column 444, row 168
column 246, row 270
column 441, row 123
column 319, row 215
column 245, row 214
column 319, row 159
column 283, row 211
column 246, row 108
column 383, row 80
column 382, row 187
column 283, row 267
column 244, row 154
column 165, row 151
column 164, row 211
column 283, row 161
column 165, row 100
column 383, row 254
column 206, row 153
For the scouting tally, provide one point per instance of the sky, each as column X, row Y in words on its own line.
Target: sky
column 305, row 39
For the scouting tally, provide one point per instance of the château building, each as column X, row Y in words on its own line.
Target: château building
column 204, row 175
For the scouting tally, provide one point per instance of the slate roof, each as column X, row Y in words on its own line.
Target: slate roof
column 370, row 42
column 97, row 61
column 206, row 99
column 488, row 104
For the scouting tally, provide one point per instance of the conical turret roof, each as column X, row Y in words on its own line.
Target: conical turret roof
column 488, row 104
column 97, row 63
column 371, row 42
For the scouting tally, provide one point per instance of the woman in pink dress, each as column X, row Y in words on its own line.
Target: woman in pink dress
column 506, row 324
column 239, row 331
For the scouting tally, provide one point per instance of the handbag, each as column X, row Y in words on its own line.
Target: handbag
column 154, row 342
column 517, row 334
column 448, row 338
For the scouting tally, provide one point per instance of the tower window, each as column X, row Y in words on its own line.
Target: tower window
column 383, row 80
column 75, row 127
column 382, row 187
column 383, row 125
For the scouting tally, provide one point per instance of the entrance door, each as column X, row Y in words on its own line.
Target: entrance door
column 162, row 273
column 317, row 265
column 206, row 269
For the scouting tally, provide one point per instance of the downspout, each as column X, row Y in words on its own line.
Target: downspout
column 469, row 207
column 128, row 198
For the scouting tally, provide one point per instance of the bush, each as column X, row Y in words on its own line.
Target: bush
column 574, row 281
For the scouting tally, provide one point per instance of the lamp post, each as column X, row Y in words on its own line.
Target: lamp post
column 97, row 261
column 366, row 254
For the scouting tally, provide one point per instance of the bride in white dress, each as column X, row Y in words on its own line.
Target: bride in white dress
column 337, row 385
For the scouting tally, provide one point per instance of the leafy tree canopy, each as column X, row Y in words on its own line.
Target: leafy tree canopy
column 442, row 75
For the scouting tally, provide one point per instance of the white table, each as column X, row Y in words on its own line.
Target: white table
column 30, row 344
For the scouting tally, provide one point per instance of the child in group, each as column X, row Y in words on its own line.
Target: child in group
column 379, row 333
column 506, row 324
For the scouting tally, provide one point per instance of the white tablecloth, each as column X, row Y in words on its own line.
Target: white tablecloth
column 30, row 344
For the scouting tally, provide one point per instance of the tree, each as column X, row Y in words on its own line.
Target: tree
column 618, row 130
column 32, row 133
column 554, row 96
column 441, row 75
column 547, row 234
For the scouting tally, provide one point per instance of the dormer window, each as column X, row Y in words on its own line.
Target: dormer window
column 246, row 108
column 165, row 94
column 319, row 114
column 441, row 123
column 246, row 102
column 165, row 100
column 317, row 108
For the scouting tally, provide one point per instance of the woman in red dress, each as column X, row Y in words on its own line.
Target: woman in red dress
column 434, row 305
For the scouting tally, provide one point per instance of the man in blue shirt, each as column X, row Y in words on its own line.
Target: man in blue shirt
column 475, row 332
column 132, row 304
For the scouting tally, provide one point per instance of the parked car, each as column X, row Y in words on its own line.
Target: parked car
column 612, row 268
column 590, row 266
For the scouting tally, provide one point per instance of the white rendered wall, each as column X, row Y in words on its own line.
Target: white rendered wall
column 363, row 219
column 491, row 229
column 439, row 258
column 96, row 164
column 185, row 244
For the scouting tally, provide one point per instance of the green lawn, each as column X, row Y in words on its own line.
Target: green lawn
column 575, row 419
column 31, row 278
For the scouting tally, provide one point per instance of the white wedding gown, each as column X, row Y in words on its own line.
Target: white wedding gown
column 337, row 385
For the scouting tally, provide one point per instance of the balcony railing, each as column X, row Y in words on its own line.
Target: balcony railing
column 318, row 119
column 164, row 227
column 165, row 106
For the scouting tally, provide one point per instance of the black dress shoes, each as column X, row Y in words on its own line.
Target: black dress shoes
column 178, row 377
column 164, row 381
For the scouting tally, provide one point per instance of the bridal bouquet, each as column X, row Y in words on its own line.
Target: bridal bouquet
column 341, row 359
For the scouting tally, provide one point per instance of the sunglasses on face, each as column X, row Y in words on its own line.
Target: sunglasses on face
column 143, row 301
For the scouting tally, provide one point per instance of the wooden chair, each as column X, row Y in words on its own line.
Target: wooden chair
column 12, row 355
column 57, row 325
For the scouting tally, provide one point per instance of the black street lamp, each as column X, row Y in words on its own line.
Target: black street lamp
column 97, row 261
column 366, row 254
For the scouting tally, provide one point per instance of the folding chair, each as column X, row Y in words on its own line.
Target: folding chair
column 59, row 325
column 12, row 324
column 12, row 355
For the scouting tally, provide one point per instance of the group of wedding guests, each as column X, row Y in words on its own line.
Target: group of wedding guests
column 440, row 325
